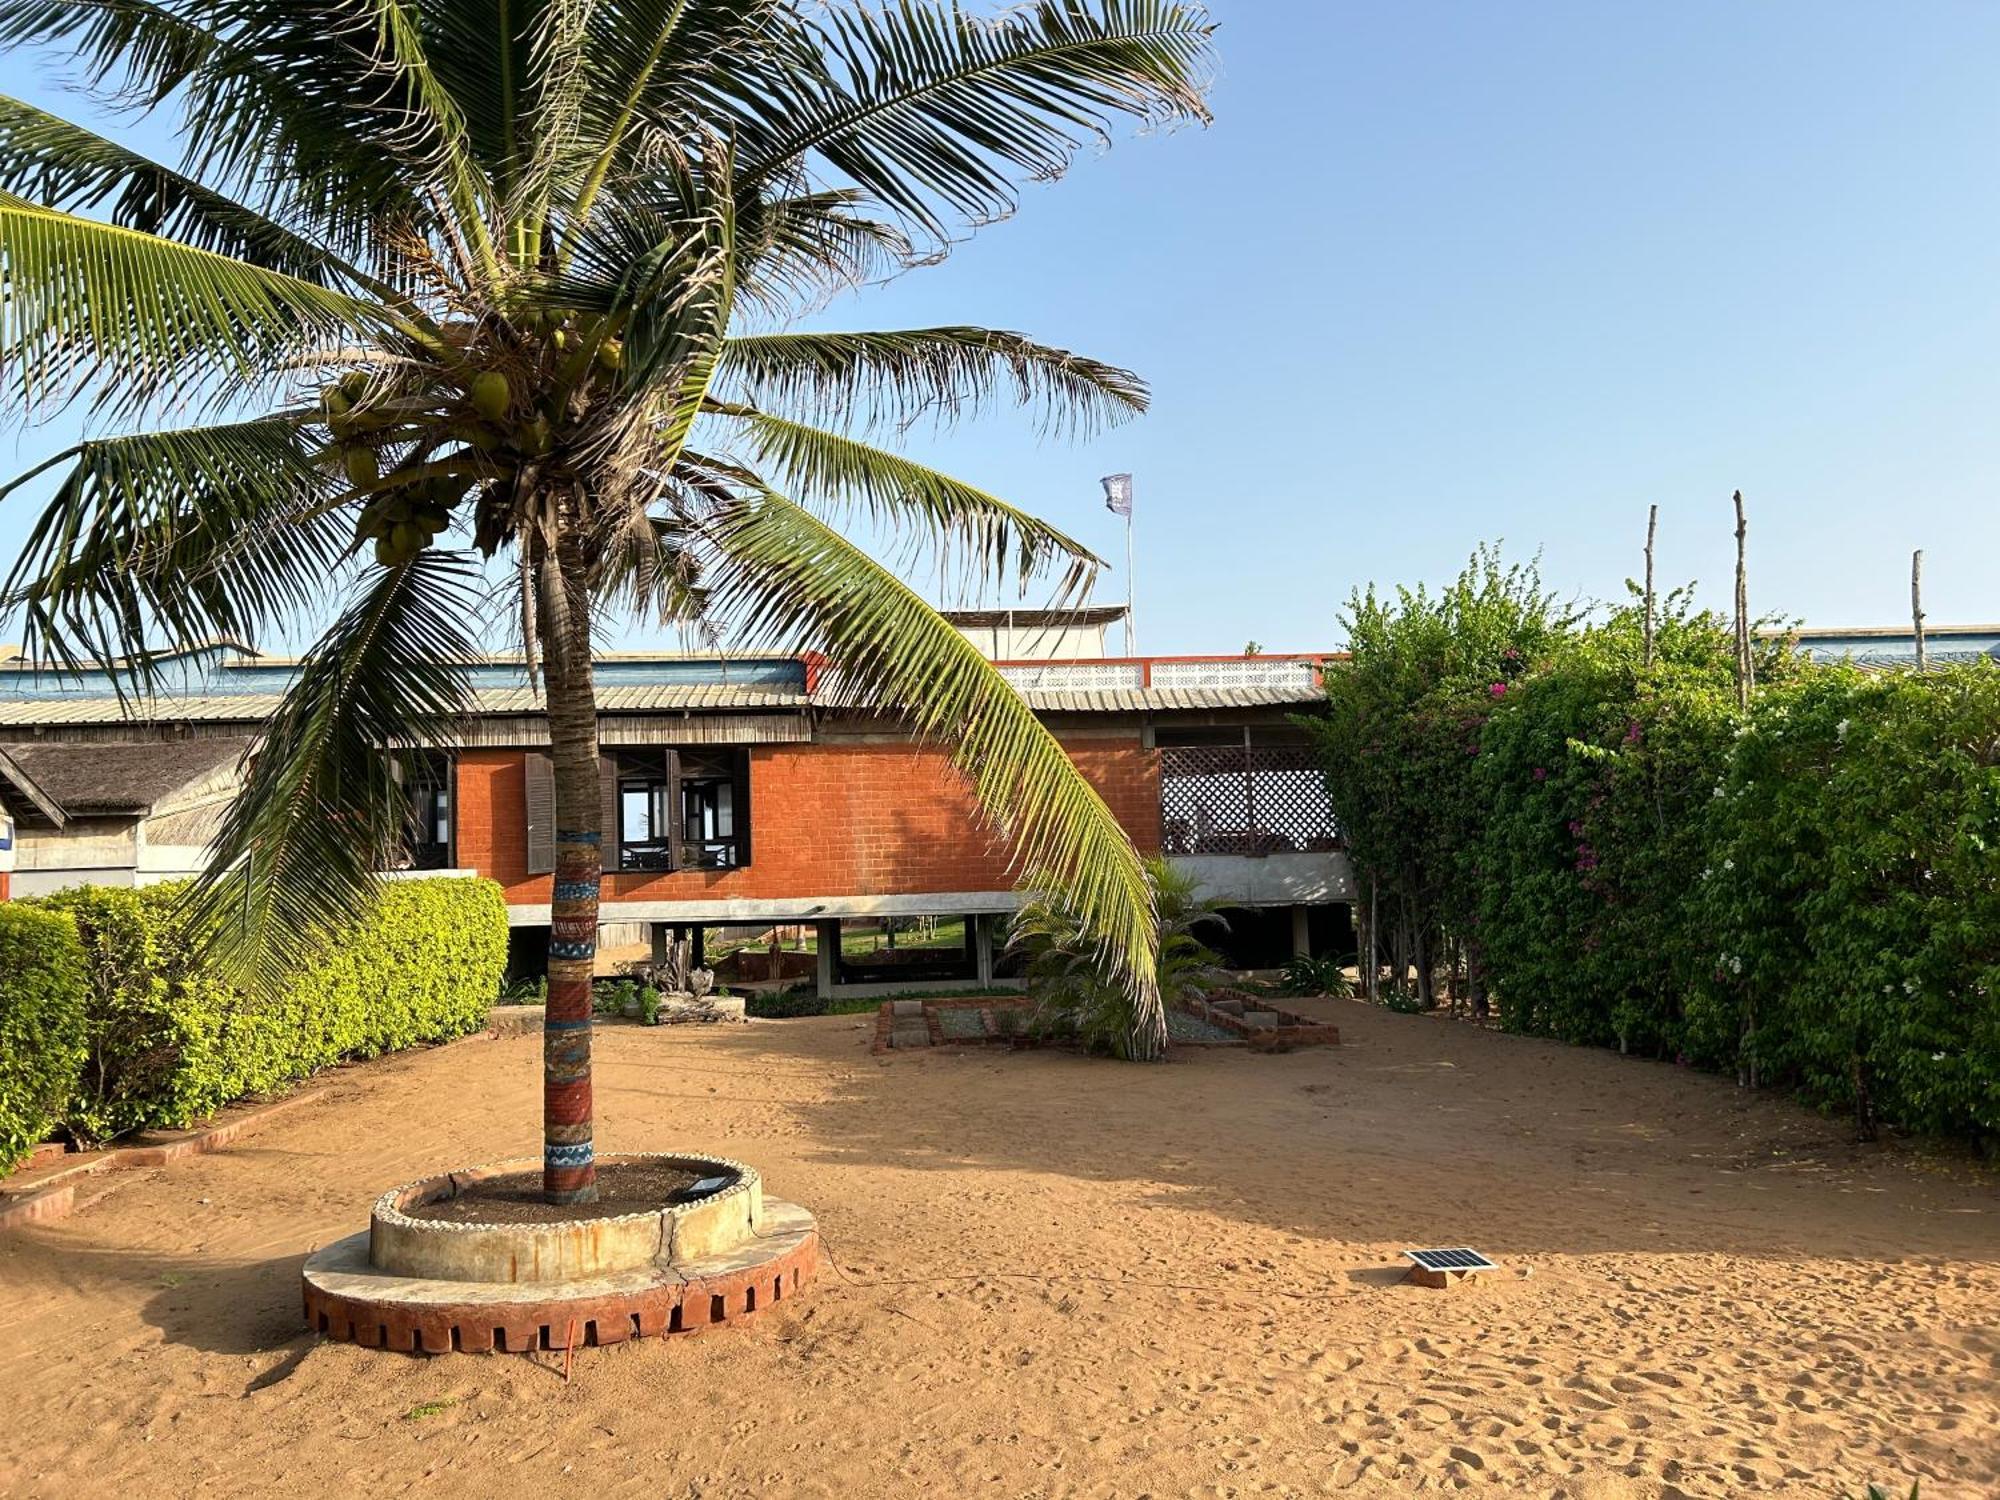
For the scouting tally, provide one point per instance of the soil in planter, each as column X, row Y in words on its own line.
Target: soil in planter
column 622, row 1188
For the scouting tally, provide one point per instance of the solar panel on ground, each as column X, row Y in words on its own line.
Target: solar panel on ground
column 1458, row 1259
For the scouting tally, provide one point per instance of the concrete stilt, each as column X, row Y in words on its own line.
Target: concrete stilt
column 829, row 957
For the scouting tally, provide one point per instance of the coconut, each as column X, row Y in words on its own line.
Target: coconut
column 362, row 466
column 491, row 394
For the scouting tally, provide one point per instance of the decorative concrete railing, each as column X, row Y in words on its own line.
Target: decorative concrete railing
column 1299, row 673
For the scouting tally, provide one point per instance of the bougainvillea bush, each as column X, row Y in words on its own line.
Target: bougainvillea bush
column 1852, row 893
column 1596, row 775
column 1806, row 892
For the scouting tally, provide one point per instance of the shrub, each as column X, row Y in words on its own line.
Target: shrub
column 1318, row 976
column 1804, row 892
column 1852, row 899
column 788, row 1005
column 1080, row 993
column 167, row 1043
column 41, row 1024
column 1597, row 774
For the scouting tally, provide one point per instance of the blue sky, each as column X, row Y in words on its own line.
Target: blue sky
column 1444, row 273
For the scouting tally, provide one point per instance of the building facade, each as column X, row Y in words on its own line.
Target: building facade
column 749, row 794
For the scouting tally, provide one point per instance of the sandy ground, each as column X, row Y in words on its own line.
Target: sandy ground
column 1059, row 1277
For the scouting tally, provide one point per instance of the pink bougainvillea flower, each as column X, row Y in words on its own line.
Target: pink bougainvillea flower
column 1541, row 773
column 1498, row 690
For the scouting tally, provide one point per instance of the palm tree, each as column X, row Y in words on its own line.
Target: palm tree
column 1082, row 990
column 492, row 303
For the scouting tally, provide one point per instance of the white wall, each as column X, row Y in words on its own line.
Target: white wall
column 1037, row 643
column 93, row 851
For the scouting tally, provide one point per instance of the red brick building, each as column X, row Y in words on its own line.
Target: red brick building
column 738, row 794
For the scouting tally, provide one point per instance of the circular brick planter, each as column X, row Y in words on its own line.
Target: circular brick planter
column 436, row 1285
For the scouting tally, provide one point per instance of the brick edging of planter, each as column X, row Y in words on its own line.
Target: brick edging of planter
column 55, row 1196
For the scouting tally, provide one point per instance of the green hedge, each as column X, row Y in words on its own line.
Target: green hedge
column 1806, row 893
column 41, row 1025
column 166, row 1044
column 1852, row 897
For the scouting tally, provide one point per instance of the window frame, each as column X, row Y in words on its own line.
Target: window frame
column 686, row 781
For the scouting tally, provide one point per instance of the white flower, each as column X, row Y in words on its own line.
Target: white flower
column 1719, row 793
column 1909, row 986
column 1735, row 965
column 1937, row 1057
column 1729, row 864
column 1840, row 731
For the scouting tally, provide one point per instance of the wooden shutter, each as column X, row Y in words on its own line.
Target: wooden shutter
column 541, row 815
column 741, row 793
column 607, row 775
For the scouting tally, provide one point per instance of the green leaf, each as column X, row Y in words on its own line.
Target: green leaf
column 135, row 316
column 172, row 537
column 1001, row 543
column 899, row 376
column 301, row 848
column 931, row 109
column 784, row 577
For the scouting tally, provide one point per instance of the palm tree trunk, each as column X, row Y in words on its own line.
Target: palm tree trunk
column 569, row 1172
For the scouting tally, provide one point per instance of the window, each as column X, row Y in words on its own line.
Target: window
column 682, row 810
column 426, row 778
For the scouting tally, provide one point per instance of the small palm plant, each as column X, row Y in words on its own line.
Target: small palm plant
column 1076, row 980
column 484, row 309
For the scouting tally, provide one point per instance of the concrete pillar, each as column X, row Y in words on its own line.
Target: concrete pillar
column 661, row 935
column 1302, row 943
column 829, row 956
column 982, row 946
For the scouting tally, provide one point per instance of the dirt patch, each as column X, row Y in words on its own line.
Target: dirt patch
column 622, row 1188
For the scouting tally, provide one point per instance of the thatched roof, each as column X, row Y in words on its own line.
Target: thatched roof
column 116, row 779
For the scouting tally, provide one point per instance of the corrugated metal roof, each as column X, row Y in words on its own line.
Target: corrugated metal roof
column 254, row 708
column 521, row 703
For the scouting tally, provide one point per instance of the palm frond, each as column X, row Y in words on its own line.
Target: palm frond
column 999, row 543
column 784, row 577
column 299, row 851
column 278, row 103
column 799, row 250
column 649, row 569
column 47, row 160
column 933, row 110
column 649, row 63
column 558, row 147
column 139, row 316
column 424, row 119
column 160, row 538
column 903, row 375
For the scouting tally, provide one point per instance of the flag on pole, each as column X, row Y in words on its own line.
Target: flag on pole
column 1118, row 494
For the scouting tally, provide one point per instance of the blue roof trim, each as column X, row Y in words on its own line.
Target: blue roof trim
column 220, row 672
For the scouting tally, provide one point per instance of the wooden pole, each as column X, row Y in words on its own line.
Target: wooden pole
column 1652, row 528
column 1745, row 668
column 1917, row 607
